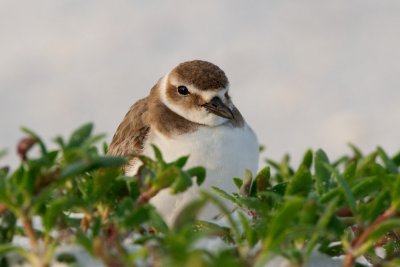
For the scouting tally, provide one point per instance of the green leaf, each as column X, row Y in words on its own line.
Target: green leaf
column 365, row 163
column 367, row 186
column 33, row 135
column 85, row 242
column 290, row 213
column 395, row 192
column 340, row 161
column 281, row 221
column 379, row 204
column 189, row 213
column 199, row 173
column 238, row 182
column 280, row 188
column 80, row 135
column 350, row 172
column 273, row 164
column 249, row 233
column 157, row 221
column 322, row 175
column 147, row 161
column 166, row 178
column 91, row 140
column 157, row 154
column 60, row 141
column 307, row 159
column 4, row 171
column 75, row 168
column 327, row 214
column 213, row 230
column 223, row 194
column 7, row 248
column 345, row 187
column 225, row 211
column 396, row 159
column 301, row 182
column 137, row 216
column 104, row 148
column 181, row 182
column 383, row 228
column 55, row 211
column 181, row 161
column 322, row 224
column 389, row 163
column 261, row 181
column 246, row 186
column 356, row 151
column 82, row 166
column 8, row 225
column 107, row 161
column 285, row 169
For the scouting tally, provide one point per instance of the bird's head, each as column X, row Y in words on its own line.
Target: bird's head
column 198, row 91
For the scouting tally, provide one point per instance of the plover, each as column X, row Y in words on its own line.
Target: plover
column 190, row 112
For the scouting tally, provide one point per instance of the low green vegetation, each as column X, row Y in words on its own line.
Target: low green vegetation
column 76, row 195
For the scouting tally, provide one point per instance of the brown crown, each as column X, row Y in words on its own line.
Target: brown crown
column 202, row 74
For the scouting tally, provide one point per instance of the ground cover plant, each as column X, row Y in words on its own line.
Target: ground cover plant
column 75, row 196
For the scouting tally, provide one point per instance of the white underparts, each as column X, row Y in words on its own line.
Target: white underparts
column 224, row 151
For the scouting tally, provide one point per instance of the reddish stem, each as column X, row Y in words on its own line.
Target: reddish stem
column 145, row 197
column 24, row 146
column 359, row 241
column 30, row 233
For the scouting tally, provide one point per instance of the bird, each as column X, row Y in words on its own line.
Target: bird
column 189, row 111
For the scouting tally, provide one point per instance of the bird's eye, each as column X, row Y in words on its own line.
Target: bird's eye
column 182, row 90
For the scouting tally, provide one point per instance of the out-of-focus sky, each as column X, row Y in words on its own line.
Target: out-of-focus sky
column 305, row 74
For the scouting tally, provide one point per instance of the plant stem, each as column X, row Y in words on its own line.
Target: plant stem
column 105, row 213
column 357, row 242
column 85, row 222
column 30, row 232
column 145, row 197
column 37, row 260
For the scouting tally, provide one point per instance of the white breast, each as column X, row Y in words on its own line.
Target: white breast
column 224, row 151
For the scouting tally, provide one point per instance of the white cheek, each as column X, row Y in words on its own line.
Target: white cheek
column 202, row 116
column 198, row 115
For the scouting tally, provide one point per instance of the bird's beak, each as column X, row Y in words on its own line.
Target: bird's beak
column 217, row 107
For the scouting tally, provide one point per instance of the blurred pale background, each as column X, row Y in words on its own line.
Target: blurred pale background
column 305, row 74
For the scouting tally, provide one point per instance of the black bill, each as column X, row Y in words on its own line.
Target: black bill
column 217, row 107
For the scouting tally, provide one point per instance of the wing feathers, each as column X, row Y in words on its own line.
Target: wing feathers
column 132, row 132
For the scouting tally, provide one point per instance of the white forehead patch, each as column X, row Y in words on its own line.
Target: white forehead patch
column 208, row 95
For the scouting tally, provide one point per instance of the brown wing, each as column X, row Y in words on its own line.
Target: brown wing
column 132, row 132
